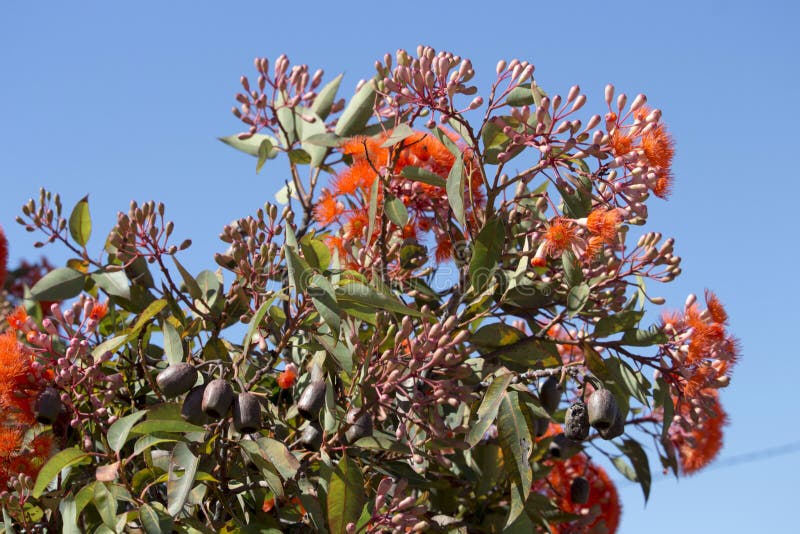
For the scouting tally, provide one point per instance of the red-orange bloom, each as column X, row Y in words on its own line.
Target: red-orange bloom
column 658, row 146
column 363, row 148
column 604, row 222
column 328, row 209
column 699, row 446
column 99, row 310
column 715, row 308
column 621, row 144
column 360, row 175
column 601, row 513
column 17, row 318
column 286, row 379
column 559, row 236
column 663, row 185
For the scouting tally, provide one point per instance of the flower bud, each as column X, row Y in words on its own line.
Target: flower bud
column 217, row 398
column 176, row 379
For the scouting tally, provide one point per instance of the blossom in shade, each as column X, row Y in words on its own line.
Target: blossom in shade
column 697, row 432
column 600, row 514
column 286, row 378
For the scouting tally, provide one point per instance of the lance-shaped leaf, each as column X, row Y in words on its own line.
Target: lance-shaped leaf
column 114, row 283
column 515, row 439
column 366, row 296
column 423, row 175
column 53, row 467
column 346, row 495
column 118, row 432
column 326, row 97
column 252, row 144
column 455, row 190
column 180, row 484
column 324, row 298
column 357, row 112
column 80, row 222
column 612, row 324
column 641, row 465
column 490, row 404
column 59, row 284
column 486, row 253
column 577, row 298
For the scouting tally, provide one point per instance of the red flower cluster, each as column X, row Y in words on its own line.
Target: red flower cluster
column 696, row 431
column 601, row 513
column 346, row 203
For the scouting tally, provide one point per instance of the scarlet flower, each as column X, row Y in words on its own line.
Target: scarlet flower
column 444, row 248
column 286, row 379
column 658, row 146
column 621, row 144
column 559, row 236
column 604, row 222
column 359, row 175
column 328, row 209
column 18, row 318
column 663, row 185
column 700, row 445
column 601, row 513
column 99, row 310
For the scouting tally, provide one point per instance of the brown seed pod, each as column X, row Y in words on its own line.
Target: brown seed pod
column 176, row 379
column 312, row 399
column 246, row 413
column 602, row 409
column 360, row 425
column 48, row 406
column 576, row 422
column 616, row 429
column 579, row 490
column 549, row 393
column 217, row 398
column 192, row 410
column 562, row 447
column 311, row 437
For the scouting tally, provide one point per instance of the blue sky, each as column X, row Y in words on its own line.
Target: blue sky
column 125, row 101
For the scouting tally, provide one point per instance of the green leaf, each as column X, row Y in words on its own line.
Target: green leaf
column 315, row 252
column 577, row 298
column 145, row 442
column 357, row 112
column 326, row 139
column 490, row 404
column 173, row 346
column 326, row 97
column 402, row 131
column 210, row 287
column 455, row 190
column 69, row 515
column 515, row 439
column 396, row 210
column 299, row 270
column 165, row 425
column 59, row 284
column 115, row 283
column 53, row 467
column 154, row 522
column 178, row 487
column 311, row 129
column 118, row 432
column 664, row 399
column 265, row 151
column 644, row 338
column 188, row 279
column 372, row 210
column 486, row 254
column 613, row 324
column 520, row 96
column 624, row 468
column 365, row 295
column 255, row 322
column 106, row 504
column 573, row 274
column 280, row 456
column 251, row 145
column 636, row 383
column 323, row 297
column 80, row 222
column 514, row 348
column 641, row 465
column 346, row 495
column 423, row 175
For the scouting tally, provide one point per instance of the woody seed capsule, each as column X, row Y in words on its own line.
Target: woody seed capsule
column 192, row 410
column 176, row 379
column 217, row 398
column 48, row 406
column 602, row 409
column 576, row 422
column 312, row 399
column 246, row 413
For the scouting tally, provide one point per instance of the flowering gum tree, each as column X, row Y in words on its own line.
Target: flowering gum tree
column 442, row 329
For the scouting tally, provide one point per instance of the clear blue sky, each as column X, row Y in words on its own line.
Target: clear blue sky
column 125, row 101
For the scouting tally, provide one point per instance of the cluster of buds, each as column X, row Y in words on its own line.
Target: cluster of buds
column 45, row 216
column 431, row 80
column 395, row 511
column 253, row 254
column 421, row 372
column 143, row 232
column 285, row 88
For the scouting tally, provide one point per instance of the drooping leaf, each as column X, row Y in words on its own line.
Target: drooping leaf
column 641, row 465
column 280, row 456
column 250, row 145
column 486, row 253
column 155, row 522
column 396, row 211
column 181, row 477
column 173, row 346
column 423, row 175
column 577, row 298
column 400, row 132
column 346, row 495
column 53, row 467
column 365, row 295
column 612, row 324
column 487, row 412
column 115, row 283
column 323, row 297
column 164, row 425
column 265, row 151
column 118, row 432
column 644, row 338
column 357, row 112
column 255, row 322
column 80, row 222
column 59, row 284
column 515, row 439
column 455, row 190
column 573, row 274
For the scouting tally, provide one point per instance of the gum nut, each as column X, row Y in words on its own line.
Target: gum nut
column 561, row 447
column 602, row 409
column 576, row 422
column 312, row 399
column 360, row 425
column 616, row 429
column 192, row 408
column 579, row 490
column 48, row 406
column 311, row 437
column 246, row 413
column 217, row 398
column 549, row 393
column 176, row 379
